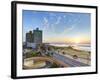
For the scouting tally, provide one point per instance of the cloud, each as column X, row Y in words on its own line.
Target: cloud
column 53, row 26
column 45, row 23
column 68, row 29
column 45, row 20
column 71, row 28
column 58, row 20
column 48, row 26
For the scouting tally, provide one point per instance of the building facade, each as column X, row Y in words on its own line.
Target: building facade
column 33, row 38
column 29, row 37
column 37, row 34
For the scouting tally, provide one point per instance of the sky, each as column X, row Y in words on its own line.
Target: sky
column 58, row 27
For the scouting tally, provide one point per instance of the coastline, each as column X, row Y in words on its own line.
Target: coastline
column 78, row 55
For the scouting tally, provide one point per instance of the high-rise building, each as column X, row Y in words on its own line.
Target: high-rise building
column 37, row 34
column 29, row 37
column 33, row 38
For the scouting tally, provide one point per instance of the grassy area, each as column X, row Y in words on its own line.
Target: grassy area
column 54, row 65
column 32, row 54
column 71, row 51
column 81, row 54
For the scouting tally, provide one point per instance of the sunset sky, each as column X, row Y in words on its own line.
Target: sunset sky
column 58, row 27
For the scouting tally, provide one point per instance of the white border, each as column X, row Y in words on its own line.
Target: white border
column 34, row 72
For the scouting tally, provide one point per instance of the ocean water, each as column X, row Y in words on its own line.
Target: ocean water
column 85, row 47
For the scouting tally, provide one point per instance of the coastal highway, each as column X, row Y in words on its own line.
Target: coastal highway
column 67, row 60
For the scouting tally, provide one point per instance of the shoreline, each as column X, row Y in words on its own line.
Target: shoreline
column 84, row 47
column 79, row 55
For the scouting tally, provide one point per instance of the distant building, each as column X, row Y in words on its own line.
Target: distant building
column 33, row 38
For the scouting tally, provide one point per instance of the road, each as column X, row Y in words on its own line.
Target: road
column 59, row 59
column 67, row 60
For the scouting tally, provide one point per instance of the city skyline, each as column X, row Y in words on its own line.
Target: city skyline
column 59, row 27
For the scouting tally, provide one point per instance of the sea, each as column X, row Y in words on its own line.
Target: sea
column 85, row 47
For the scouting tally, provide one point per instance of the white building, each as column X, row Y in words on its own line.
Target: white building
column 33, row 45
